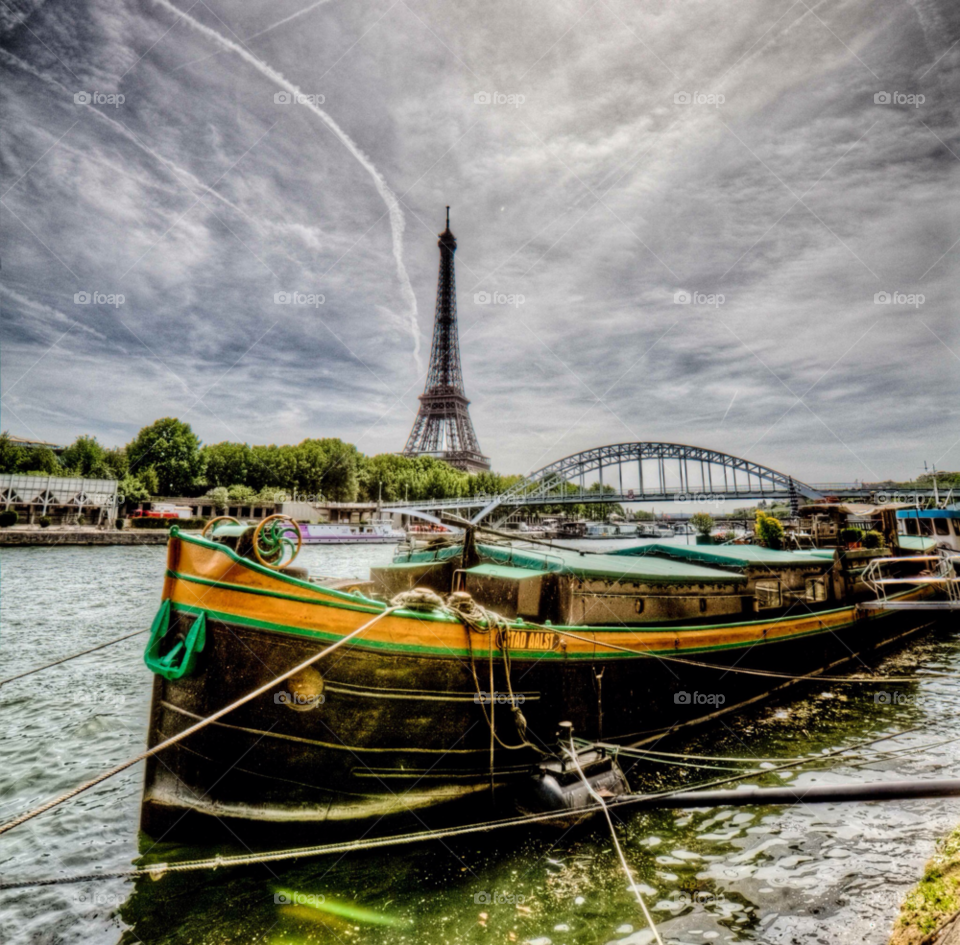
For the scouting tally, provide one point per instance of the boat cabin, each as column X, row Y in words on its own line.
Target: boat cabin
column 941, row 527
column 648, row 584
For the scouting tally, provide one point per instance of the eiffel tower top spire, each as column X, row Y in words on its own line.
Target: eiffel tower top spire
column 443, row 428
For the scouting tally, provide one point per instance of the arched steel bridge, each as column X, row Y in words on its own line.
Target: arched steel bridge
column 664, row 472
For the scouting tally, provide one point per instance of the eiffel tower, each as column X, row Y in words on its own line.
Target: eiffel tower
column 443, row 428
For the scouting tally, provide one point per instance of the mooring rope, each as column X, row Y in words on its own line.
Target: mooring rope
column 103, row 776
column 815, row 674
column 477, row 619
column 613, row 746
column 572, row 752
column 157, row 870
column 73, row 656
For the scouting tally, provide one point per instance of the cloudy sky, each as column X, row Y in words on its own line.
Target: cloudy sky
column 777, row 162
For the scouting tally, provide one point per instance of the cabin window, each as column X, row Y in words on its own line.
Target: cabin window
column 926, row 526
column 956, row 526
column 912, row 527
column 767, row 594
column 941, row 526
column 703, row 605
column 638, row 605
column 816, row 589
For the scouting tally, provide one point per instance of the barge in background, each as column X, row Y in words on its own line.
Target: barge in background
column 367, row 533
column 430, row 706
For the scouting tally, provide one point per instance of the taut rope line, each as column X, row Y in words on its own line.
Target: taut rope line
column 265, row 688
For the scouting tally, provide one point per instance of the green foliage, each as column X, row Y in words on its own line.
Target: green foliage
column 8, row 517
column 191, row 523
column 133, row 490
column 41, row 462
column 227, row 463
column 45, row 521
column 937, row 895
column 702, row 522
column 241, row 495
column 166, row 458
column 328, row 467
column 850, row 536
column 873, row 539
column 769, row 531
column 271, row 466
column 270, row 496
column 173, row 450
column 945, row 480
column 116, row 462
column 151, row 481
column 218, row 497
column 11, row 455
column 28, row 460
column 87, row 458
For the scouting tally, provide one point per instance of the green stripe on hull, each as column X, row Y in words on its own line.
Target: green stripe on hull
column 458, row 653
column 346, row 601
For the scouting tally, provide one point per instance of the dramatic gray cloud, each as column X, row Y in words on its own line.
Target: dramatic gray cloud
column 627, row 153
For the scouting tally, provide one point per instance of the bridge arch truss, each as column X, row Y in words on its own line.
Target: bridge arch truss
column 697, row 472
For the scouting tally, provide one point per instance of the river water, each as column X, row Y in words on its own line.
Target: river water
column 825, row 873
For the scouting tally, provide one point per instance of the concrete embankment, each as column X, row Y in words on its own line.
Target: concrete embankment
column 81, row 536
column 930, row 914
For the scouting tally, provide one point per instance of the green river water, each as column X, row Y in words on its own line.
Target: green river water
column 825, row 873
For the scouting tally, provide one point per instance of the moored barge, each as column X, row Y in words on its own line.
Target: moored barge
column 439, row 700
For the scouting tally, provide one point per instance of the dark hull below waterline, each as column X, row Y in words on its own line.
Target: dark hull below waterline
column 397, row 736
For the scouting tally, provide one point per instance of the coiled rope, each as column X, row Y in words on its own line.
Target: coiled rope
column 478, row 619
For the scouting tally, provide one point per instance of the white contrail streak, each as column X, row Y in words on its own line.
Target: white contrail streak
column 287, row 19
column 397, row 222
column 174, row 170
column 267, row 29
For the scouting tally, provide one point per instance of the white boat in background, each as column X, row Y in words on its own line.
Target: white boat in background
column 610, row 530
column 367, row 533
